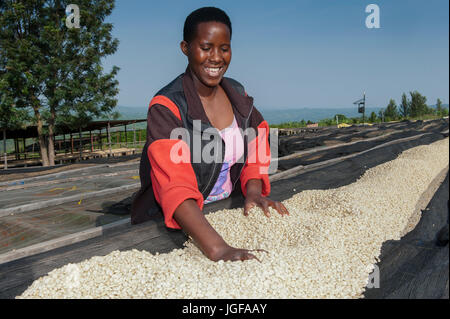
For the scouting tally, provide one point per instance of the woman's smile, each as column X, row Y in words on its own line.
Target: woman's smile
column 213, row 72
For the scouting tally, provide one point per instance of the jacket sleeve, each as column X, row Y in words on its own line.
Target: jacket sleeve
column 172, row 175
column 258, row 160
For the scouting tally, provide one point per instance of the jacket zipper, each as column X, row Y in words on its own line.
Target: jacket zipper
column 215, row 164
column 213, row 172
column 245, row 160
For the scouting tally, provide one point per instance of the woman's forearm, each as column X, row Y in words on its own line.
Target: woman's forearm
column 192, row 220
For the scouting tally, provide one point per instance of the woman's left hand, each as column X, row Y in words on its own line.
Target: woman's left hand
column 255, row 199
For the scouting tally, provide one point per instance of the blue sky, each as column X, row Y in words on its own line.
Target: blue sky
column 293, row 54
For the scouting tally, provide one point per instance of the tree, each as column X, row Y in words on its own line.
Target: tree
column 372, row 117
column 439, row 110
column 19, row 36
column 341, row 118
column 391, row 112
column 381, row 115
column 10, row 116
column 404, row 106
column 418, row 106
column 57, row 70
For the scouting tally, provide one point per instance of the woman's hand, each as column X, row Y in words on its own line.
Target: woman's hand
column 228, row 253
column 192, row 220
column 254, row 198
column 264, row 203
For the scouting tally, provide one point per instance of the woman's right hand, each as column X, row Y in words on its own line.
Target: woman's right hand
column 228, row 253
column 191, row 219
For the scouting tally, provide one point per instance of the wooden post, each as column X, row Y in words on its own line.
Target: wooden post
column 81, row 143
column 32, row 149
column 16, row 151
column 100, row 139
column 134, row 135
column 4, row 149
column 109, row 138
column 71, row 142
column 92, row 141
column 126, row 137
column 64, row 143
column 25, row 147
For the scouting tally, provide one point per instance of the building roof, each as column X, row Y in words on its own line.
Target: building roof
column 31, row 131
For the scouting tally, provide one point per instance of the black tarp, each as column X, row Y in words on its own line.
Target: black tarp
column 417, row 266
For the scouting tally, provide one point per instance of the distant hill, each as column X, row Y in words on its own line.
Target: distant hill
column 132, row 112
column 272, row 115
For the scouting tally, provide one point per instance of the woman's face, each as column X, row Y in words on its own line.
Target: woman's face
column 209, row 53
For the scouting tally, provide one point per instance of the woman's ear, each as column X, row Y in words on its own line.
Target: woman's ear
column 184, row 48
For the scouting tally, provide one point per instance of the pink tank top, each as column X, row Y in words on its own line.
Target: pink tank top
column 234, row 149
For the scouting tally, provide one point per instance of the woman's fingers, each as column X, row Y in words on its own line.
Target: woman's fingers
column 260, row 250
column 279, row 208
column 248, row 256
column 247, row 207
column 284, row 209
column 251, row 256
column 264, row 205
column 265, row 208
column 243, row 254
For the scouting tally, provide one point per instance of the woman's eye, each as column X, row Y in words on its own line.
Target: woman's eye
column 205, row 49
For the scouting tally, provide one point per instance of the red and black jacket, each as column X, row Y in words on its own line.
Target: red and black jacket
column 165, row 184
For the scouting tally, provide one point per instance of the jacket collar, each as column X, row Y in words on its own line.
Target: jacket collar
column 241, row 104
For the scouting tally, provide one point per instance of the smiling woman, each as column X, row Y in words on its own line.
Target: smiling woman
column 203, row 94
column 207, row 44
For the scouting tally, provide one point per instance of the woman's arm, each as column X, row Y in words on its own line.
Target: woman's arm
column 192, row 220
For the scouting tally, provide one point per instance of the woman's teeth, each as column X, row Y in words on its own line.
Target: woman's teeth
column 213, row 71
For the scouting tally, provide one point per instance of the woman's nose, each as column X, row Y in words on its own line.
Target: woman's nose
column 216, row 55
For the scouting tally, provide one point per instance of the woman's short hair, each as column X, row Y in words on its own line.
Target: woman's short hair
column 205, row 14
